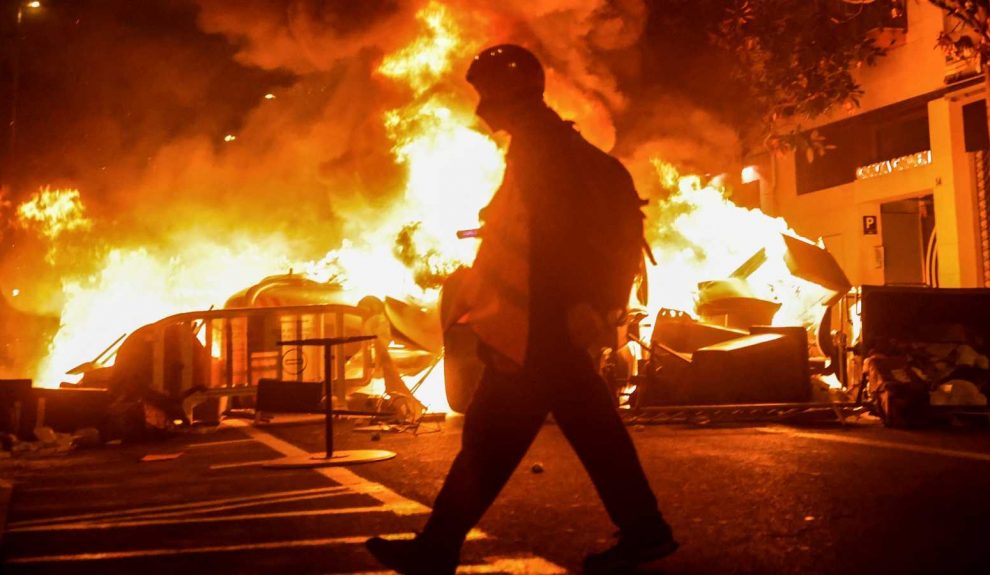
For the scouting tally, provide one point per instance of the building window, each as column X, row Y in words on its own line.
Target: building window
column 975, row 126
column 885, row 134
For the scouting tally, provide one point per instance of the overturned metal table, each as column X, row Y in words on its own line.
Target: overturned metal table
column 330, row 457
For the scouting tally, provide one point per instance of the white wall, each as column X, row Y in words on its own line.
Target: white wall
column 836, row 214
column 914, row 68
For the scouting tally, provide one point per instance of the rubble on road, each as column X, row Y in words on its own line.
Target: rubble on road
column 925, row 354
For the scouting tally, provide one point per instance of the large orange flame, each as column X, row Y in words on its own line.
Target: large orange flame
column 426, row 61
column 452, row 171
column 699, row 235
column 53, row 212
column 138, row 286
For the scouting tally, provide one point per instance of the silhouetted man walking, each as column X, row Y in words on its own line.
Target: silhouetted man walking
column 542, row 286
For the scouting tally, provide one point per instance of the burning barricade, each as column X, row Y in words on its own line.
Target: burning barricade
column 754, row 336
column 734, row 352
column 728, row 351
column 752, row 300
column 196, row 366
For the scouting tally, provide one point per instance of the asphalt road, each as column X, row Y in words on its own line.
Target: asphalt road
column 760, row 498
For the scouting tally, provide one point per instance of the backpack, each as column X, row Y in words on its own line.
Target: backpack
column 615, row 244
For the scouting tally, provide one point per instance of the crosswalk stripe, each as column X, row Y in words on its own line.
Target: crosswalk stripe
column 216, row 443
column 176, row 516
column 262, row 498
column 252, row 463
column 400, row 505
column 187, row 513
column 528, row 565
column 210, row 519
column 268, row 545
column 341, row 475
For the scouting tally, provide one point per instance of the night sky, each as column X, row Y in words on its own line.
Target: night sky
column 104, row 83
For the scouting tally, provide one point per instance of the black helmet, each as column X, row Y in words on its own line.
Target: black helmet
column 506, row 72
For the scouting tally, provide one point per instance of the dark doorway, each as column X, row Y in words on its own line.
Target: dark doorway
column 908, row 232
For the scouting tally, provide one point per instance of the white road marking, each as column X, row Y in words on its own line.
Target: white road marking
column 210, row 519
column 399, row 505
column 294, row 543
column 526, row 564
column 216, row 443
column 532, row 565
column 193, row 506
column 64, row 488
column 348, row 481
column 254, row 463
column 976, row 456
column 217, row 508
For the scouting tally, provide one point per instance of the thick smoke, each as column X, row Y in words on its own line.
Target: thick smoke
column 306, row 36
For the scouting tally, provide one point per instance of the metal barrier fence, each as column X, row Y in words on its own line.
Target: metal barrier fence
column 224, row 353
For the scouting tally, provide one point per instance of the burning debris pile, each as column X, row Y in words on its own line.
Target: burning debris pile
column 372, row 147
column 752, row 324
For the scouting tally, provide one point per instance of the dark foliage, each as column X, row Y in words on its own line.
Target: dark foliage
column 796, row 58
column 968, row 38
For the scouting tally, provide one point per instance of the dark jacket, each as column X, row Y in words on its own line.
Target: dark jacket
column 572, row 191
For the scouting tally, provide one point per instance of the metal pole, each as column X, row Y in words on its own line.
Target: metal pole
column 346, row 456
column 328, row 395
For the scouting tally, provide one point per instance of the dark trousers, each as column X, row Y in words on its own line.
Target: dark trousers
column 501, row 423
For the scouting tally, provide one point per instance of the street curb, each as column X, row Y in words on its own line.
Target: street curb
column 6, row 489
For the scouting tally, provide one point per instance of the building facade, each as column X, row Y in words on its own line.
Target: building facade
column 901, row 198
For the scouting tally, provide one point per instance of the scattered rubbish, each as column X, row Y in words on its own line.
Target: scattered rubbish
column 417, row 427
column 378, row 429
column 926, row 360
column 45, row 435
column 152, row 457
column 957, row 392
column 537, row 468
column 48, row 442
column 147, row 418
column 87, row 437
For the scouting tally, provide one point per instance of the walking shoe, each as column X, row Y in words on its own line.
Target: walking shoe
column 630, row 555
column 413, row 557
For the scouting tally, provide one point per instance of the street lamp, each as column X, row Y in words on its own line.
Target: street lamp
column 16, row 73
